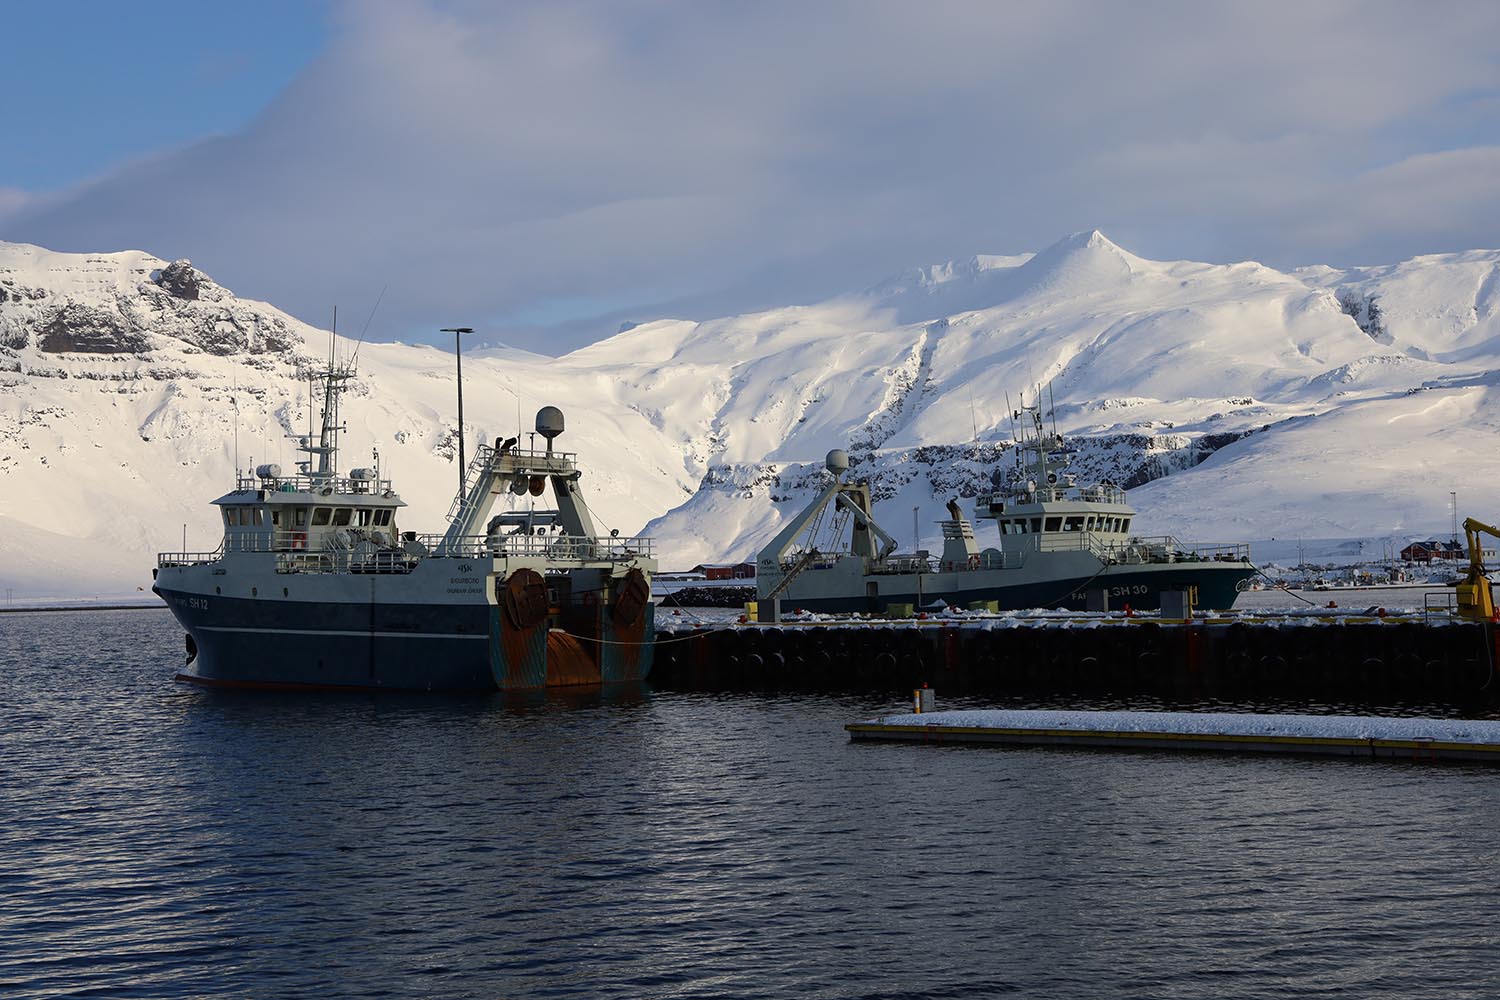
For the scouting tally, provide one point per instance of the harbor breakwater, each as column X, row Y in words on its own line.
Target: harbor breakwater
column 1349, row 659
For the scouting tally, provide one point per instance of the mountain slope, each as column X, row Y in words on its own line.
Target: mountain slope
column 1325, row 402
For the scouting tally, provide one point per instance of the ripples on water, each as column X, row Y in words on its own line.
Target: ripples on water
column 161, row 841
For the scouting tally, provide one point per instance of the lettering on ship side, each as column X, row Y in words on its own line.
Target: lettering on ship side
column 465, row 584
column 1127, row 590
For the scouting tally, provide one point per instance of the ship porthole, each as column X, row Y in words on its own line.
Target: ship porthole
column 216, row 590
column 284, row 592
column 254, row 592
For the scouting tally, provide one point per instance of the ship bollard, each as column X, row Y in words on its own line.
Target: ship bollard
column 923, row 699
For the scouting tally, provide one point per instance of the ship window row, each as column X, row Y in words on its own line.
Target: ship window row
column 360, row 517
column 243, row 517
column 297, row 517
column 1075, row 522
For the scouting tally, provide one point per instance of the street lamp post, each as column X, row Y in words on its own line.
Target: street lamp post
column 458, row 360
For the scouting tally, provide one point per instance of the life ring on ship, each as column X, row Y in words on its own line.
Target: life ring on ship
column 299, row 539
column 974, row 561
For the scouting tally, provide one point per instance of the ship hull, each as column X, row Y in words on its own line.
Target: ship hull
column 348, row 644
column 1140, row 587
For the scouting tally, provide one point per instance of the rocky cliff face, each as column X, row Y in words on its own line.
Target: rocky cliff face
column 109, row 305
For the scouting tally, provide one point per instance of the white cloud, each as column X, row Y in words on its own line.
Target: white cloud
column 487, row 159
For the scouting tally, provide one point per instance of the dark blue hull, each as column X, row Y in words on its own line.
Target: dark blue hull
column 448, row 647
column 1218, row 584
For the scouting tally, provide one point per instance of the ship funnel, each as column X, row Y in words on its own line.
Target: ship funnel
column 837, row 462
column 549, row 424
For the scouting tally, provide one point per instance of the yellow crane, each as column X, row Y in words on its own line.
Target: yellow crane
column 1475, row 601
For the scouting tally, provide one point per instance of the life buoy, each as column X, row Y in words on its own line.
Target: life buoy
column 974, row 561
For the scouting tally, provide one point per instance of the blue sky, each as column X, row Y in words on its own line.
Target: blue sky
column 544, row 171
column 92, row 85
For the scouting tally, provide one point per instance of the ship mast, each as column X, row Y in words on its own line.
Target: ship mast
column 334, row 380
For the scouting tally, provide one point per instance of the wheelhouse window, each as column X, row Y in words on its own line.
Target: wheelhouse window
column 362, row 516
column 299, row 518
column 341, row 516
column 383, row 517
column 320, row 516
column 1036, row 524
column 1054, row 524
column 1074, row 523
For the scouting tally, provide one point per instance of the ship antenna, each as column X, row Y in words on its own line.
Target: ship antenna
column 355, row 358
column 972, row 418
column 234, row 387
column 458, row 362
column 333, row 337
column 1052, row 409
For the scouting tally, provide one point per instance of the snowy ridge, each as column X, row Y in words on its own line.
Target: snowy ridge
column 1240, row 401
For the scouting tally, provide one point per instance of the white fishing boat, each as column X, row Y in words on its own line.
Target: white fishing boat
column 1061, row 545
column 316, row 585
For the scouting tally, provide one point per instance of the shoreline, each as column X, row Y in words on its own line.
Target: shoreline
column 75, row 606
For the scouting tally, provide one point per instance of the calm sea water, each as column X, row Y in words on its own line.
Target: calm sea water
column 161, row 841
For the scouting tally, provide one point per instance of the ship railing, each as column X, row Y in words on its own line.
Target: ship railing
column 303, row 483
column 533, row 462
column 300, row 540
column 1167, row 548
column 905, row 562
column 344, row 561
column 553, row 547
column 1102, row 494
column 166, row 559
column 1068, row 541
column 521, row 465
column 989, row 504
column 804, row 560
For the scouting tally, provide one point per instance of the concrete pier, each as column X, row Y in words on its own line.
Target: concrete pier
column 1307, row 735
column 1346, row 658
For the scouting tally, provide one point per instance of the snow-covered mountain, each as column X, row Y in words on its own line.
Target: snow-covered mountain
column 1240, row 401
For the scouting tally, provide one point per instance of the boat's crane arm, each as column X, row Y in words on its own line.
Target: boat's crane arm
column 572, row 512
column 769, row 559
column 887, row 543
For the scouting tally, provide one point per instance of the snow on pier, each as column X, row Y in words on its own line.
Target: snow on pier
column 1343, row 736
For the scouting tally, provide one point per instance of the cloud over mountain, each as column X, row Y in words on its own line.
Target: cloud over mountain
column 530, row 168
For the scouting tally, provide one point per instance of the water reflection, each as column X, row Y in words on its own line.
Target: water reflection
column 630, row 843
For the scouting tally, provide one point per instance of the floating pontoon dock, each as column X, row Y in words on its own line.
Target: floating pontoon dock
column 1339, row 736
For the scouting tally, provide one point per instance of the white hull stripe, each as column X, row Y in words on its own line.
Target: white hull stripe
column 347, row 634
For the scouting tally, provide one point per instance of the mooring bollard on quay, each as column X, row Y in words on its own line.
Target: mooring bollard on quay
column 1349, row 657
